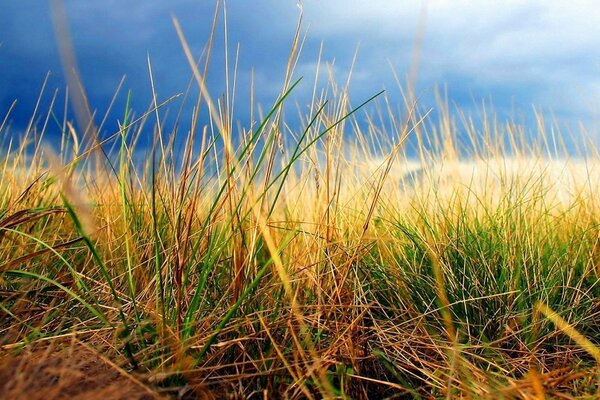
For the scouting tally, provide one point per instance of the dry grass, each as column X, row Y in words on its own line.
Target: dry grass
column 314, row 262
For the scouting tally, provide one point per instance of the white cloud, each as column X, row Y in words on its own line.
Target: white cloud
column 545, row 50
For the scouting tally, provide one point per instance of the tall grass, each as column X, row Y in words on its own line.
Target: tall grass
column 310, row 262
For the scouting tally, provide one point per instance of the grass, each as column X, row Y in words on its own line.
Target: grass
column 300, row 262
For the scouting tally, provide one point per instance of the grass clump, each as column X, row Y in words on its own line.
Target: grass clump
column 300, row 263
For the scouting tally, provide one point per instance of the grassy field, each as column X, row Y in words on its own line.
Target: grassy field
column 317, row 261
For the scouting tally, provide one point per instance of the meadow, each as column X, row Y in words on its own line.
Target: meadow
column 320, row 261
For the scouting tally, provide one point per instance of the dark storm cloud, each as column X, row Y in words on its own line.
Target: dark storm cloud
column 112, row 39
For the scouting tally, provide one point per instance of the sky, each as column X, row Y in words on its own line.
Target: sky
column 515, row 55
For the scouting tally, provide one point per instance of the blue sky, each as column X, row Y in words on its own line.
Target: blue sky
column 516, row 53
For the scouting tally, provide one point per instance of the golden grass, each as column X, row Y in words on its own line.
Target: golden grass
column 325, row 263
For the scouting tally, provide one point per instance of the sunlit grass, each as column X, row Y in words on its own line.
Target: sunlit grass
column 308, row 262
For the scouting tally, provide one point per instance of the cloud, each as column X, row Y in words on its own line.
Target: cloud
column 540, row 52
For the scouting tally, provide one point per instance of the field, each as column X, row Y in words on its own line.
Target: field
column 326, row 260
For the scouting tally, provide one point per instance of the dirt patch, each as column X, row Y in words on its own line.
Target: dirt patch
column 66, row 372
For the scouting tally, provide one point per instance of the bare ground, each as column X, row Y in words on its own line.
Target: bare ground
column 75, row 371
